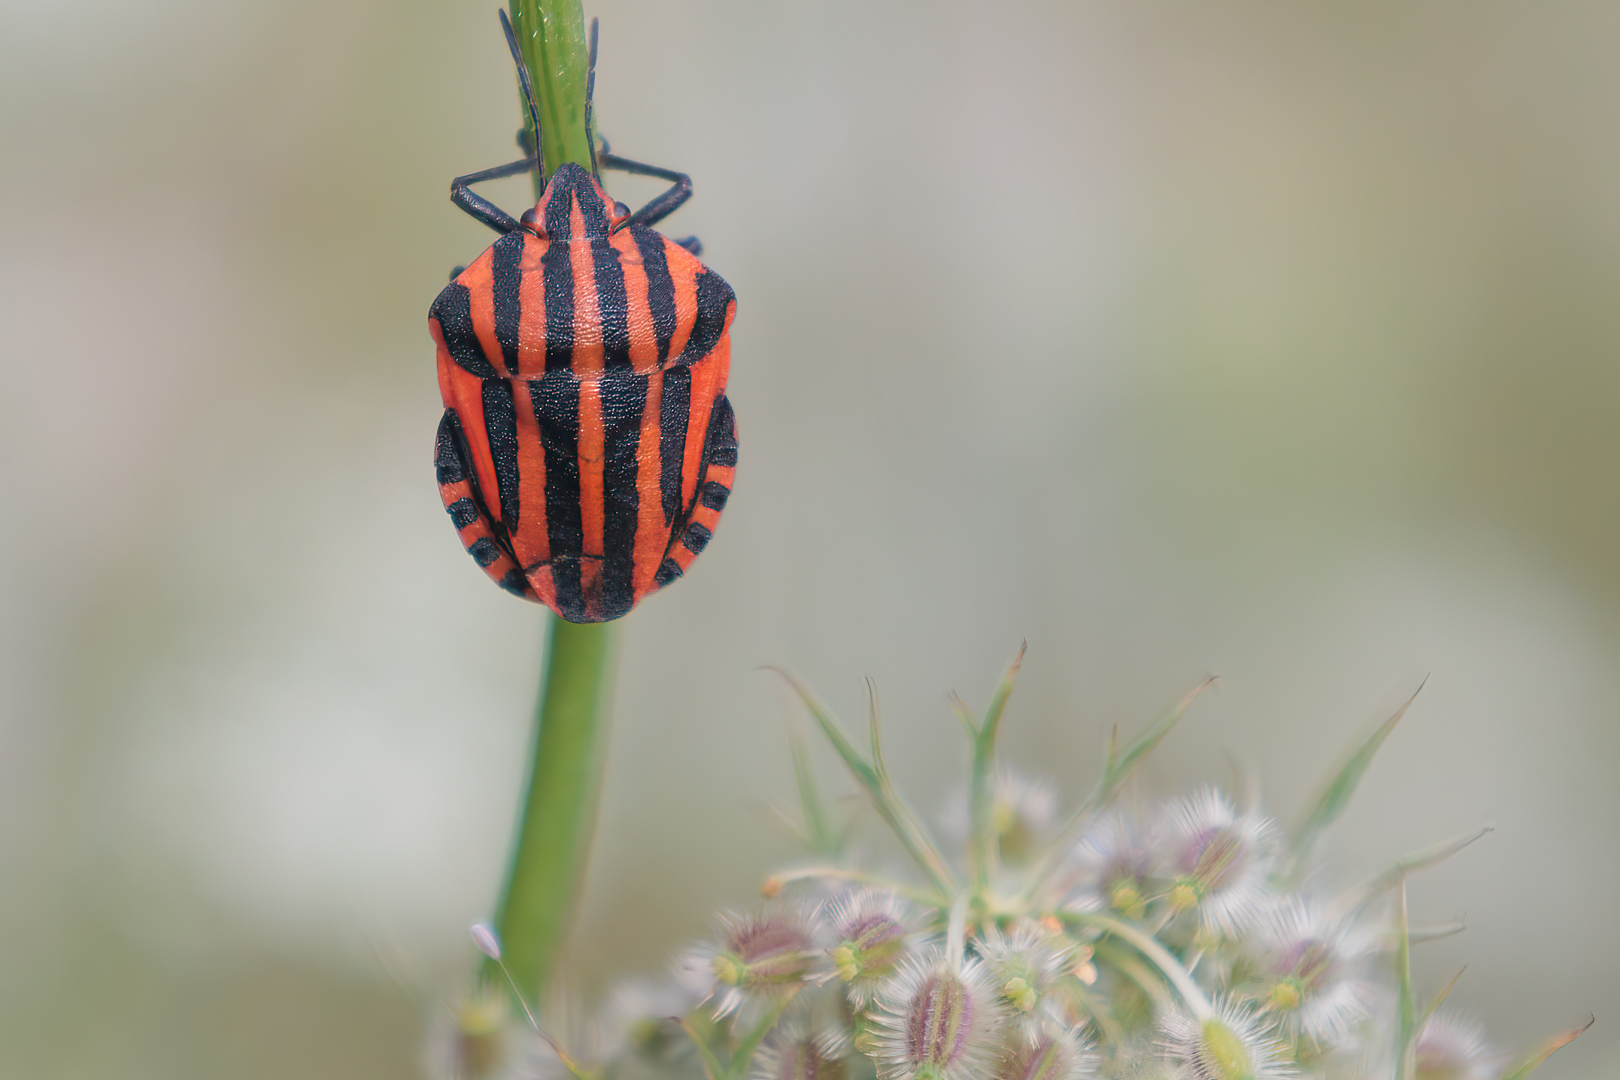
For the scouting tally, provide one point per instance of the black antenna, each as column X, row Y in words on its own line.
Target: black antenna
column 528, row 89
column 590, row 92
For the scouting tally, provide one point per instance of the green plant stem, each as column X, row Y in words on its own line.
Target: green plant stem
column 1148, row 946
column 1126, row 963
column 744, row 1056
column 712, row 1069
column 551, row 36
column 553, row 844
column 984, row 842
column 549, row 857
column 1405, row 1008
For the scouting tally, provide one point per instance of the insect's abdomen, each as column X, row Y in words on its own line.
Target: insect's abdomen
column 587, row 380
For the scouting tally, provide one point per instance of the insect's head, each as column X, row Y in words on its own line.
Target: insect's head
column 574, row 207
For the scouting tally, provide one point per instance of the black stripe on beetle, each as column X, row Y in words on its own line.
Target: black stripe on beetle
column 714, row 297
column 484, row 551
column 674, row 409
column 500, row 427
column 714, row 494
column 660, row 286
column 453, row 309
column 696, row 538
column 446, row 461
column 624, row 394
column 723, row 435
column 612, row 307
column 556, row 410
column 557, row 272
column 506, row 267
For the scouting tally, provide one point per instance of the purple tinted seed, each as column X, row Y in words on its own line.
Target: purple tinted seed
column 1215, row 856
column 1311, row 961
column 940, row 1018
column 872, row 930
column 1188, row 862
column 917, row 1018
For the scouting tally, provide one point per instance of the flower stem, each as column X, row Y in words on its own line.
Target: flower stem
column 1405, row 1008
column 549, row 858
column 551, row 36
column 984, row 843
column 744, row 1057
column 1144, row 943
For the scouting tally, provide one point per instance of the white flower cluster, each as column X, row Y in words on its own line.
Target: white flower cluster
column 1172, row 944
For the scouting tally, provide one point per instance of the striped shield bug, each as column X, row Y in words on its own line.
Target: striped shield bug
column 587, row 446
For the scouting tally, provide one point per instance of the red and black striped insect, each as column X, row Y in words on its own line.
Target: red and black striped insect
column 587, row 446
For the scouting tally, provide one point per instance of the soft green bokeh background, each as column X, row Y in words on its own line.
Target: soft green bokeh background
column 1269, row 339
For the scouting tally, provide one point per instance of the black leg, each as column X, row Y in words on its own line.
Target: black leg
column 692, row 244
column 665, row 204
column 481, row 208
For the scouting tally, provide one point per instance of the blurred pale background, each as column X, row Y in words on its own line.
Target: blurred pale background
column 1267, row 339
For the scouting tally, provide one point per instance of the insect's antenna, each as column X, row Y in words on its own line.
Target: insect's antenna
column 590, row 94
column 528, row 89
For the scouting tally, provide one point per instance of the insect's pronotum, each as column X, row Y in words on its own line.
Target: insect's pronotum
column 587, row 446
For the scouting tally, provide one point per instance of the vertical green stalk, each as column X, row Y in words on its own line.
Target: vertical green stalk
column 1405, row 1007
column 551, row 36
column 984, row 842
column 547, row 868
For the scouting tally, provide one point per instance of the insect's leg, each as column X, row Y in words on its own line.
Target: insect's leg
column 665, row 204
column 695, row 526
column 481, row 535
column 481, row 208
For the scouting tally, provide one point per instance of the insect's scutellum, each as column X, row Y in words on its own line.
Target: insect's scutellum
column 587, row 447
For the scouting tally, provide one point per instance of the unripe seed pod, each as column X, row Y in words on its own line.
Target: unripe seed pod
column 872, row 929
column 938, row 1021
